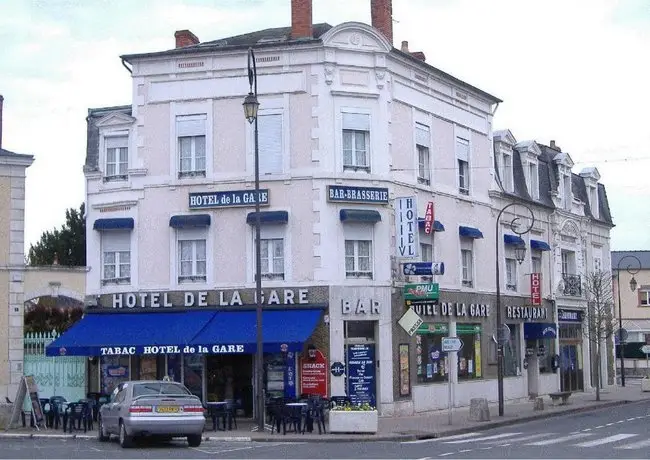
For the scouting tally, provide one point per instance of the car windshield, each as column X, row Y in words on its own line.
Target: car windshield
column 159, row 388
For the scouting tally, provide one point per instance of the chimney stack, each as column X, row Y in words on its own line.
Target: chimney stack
column 555, row 147
column 185, row 38
column 381, row 12
column 301, row 19
column 1, row 104
column 405, row 46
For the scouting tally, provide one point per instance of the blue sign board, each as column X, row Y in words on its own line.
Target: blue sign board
column 229, row 199
column 361, row 374
column 345, row 194
column 424, row 268
column 337, row 369
column 290, row 376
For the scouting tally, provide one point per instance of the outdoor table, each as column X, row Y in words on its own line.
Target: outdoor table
column 218, row 410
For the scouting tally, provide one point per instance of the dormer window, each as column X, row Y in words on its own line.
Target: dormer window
column 116, row 157
column 593, row 200
column 567, row 195
column 532, row 179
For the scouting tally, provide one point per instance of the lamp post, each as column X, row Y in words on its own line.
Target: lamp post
column 520, row 255
column 633, row 285
column 251, row 106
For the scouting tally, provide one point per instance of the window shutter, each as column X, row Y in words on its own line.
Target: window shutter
column 113, row 241
column 270, row 143
column 356, row 121
column 117, row 142
column 190, row 125
column 422, row 135
column 462, row 149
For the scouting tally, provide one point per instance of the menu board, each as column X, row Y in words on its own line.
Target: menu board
column 361, row 374
column 37, row 409
column 313, row 375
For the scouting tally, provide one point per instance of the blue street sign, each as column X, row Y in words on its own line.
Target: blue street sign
column 337, row 369
column 424, row 268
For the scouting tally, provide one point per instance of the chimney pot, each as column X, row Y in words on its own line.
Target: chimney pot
column 381, row 12
column 555, row 146
column 301, row 19
column 185, row 38
column 405, row 46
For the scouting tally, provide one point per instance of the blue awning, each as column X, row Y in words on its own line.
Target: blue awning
column 539, row 245
column 192, row 220
column 534, row 331
column 360, row 215
column 469, row 232
column 437, row 226
column 513, row 240
column 129, row 333
column 268, row 217
column 239, row 328
column 117, row 223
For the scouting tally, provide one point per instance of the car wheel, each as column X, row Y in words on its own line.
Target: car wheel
column 125, row 439
column 194, row 440
column 102, row 436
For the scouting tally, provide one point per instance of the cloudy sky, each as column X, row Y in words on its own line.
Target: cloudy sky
column 575, row 71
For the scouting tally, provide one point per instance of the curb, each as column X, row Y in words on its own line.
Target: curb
column 343, row 439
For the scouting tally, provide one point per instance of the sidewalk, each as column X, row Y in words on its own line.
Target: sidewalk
column 408, row 428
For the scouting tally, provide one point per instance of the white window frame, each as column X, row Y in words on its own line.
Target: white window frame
column 268, row 255
column 192, row 234
column 536, row 255
column 505, row 163
column 352, row 127
column 644, row 302
column 467, row 263
column 593, row 200
column 194, row 134
column 511, row 274
column 567, row 194
column 463, row 158
column 532, row 179
column 357, row 272
column 117, row 243
column 568, row 262
column 358, row 232
column 279, row 112
column 423, row 153
column 270, row 232
column 114, row 138
column 426, row 250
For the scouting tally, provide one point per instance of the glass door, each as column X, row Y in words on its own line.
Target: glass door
column 571, row 378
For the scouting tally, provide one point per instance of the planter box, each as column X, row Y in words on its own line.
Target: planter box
column 645, row 384
column 341, row 421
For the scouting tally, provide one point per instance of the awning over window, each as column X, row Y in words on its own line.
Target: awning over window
column 268, row 217
column 130, row 333
column 192, row 220
column 239, row 328
column 117, row 223
column 513, row 240
column 539, row 245
column 360, row 215
column 437, row 226
column 469, row 232
column 534, row 331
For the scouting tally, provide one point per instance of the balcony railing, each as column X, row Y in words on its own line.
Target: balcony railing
column 572, row 285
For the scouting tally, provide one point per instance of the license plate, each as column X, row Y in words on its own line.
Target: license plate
column 167, row 409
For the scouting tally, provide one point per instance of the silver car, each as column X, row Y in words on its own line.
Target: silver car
column 152, row 408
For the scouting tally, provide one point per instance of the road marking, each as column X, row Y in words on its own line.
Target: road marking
column 609, row 424
column 548, row 442
column 221, row 450
column 522, row 438
column 607, row 440
column 483, row 438
column 600, row 426
column 448, row 453
column 461, row 436
column 587, row 429
column 621, row 421
column 630, row 419
column 464, row 450
column 635, row 445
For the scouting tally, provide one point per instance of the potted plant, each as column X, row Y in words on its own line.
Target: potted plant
column 353, row 418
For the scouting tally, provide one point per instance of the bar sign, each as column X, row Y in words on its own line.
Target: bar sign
column 536, row 288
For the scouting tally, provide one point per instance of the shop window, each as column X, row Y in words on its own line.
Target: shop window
column 174, row 367
column 193, row 374
column 114, row 370
column 545, row 352
column 360, row 330
column 469, row 358
column 431, row 362
column 512, row 353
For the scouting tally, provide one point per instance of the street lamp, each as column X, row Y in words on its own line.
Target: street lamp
column 633, row 285
column 251, row 106
column 520, row 255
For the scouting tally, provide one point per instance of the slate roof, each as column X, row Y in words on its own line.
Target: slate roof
column 8, row 153
column 92, row 133
column 643, row 256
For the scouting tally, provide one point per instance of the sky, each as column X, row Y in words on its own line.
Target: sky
column 575, row 71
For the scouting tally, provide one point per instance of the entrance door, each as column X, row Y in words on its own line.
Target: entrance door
column 571, row 377
column 230, row 377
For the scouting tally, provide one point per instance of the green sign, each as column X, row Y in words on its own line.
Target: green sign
column 431, row 328
column 426, row 291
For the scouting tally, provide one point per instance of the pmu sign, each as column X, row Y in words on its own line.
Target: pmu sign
column 536, row 288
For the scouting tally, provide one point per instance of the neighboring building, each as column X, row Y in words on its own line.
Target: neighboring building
column 634, row 308
column 348, row 124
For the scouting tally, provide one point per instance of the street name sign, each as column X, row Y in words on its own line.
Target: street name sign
column 451, row 344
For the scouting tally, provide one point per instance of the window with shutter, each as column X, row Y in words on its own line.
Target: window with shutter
column 116, row 257
column 356, row 142
column 190, row 132
column 462, row 156
column 269, row 128
column 117, row 158
column 423, row 143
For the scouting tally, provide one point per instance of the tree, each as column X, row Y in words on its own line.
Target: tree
column 600, row 315
column 67, row 244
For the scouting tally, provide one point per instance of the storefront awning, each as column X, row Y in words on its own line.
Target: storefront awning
column 538, row 245
column 268, row 217
column 437, row 225
column 239, row 329
column 367, row 216
column 513, row 240
column 533, row 331
column 469, row 232
column 129, row 333
column 118, row 223
column 193, row 220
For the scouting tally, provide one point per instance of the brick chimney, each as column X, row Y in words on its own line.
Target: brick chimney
column 1, row 104
column 416, row 54
column 555, row 147
column 301, row 19
column 381, row 12
column 185, row 38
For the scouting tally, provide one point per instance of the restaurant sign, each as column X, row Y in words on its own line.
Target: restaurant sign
column 170, row 349
column 346, row 194
column 526, row 313
column 228, row 199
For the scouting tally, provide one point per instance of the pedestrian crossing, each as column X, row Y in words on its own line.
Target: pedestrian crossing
column 585, row 439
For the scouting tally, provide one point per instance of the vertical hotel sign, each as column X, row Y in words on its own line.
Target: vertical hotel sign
column 407, row 242
column 536, row 288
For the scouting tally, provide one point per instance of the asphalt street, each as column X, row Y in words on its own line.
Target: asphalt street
column 621, row 432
